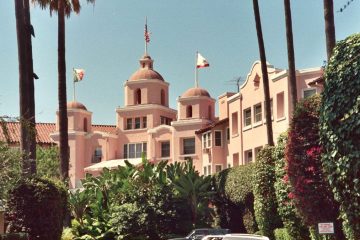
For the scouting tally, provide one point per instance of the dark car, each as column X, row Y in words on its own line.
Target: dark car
column 197, row 234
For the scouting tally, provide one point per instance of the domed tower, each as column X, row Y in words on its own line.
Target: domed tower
column 196, row 103
column 146, row 86
column 79, row 118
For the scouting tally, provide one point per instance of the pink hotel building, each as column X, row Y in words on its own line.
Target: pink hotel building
column 147, row 125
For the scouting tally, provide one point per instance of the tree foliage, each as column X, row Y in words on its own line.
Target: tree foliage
column 265, row 203
column 340, row 130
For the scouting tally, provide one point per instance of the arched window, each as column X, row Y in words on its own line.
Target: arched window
column 162, row 94
column 189, row 111
column 209, row 112
column 138, row 96
column 85, row 125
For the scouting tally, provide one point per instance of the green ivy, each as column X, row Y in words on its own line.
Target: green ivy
column 265, row 203
column 286, row 208
column 340, row 130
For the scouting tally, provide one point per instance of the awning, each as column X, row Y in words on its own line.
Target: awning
column 111, row 164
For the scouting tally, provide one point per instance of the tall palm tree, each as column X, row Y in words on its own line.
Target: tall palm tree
column 63, row 8
column 265, row 76
column 26, row 87
column 329, row 27
column 291, row 54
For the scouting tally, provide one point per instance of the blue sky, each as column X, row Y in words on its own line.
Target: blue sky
column 107, row 41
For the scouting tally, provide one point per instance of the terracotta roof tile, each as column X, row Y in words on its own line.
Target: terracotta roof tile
column 43, row 131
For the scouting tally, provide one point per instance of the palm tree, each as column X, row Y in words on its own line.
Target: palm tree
column 63, row 8
column 329, row 27
column 264, row 73
column 26, row 87
column 291, row 54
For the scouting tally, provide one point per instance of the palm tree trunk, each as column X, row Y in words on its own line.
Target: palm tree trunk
column 30, row 81
column 264, row 73
column 329, row 27
column 63, row 122
column 291, row 54
column 23, row 86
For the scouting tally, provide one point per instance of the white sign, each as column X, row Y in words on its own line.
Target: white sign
column 326, row 228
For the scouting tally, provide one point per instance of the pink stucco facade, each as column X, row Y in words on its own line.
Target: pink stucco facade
column 146, row 125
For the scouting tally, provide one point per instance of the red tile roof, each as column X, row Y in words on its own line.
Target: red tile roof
column 43, row 131
column 212, row 125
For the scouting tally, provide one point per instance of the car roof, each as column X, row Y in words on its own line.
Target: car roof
column 241, row 236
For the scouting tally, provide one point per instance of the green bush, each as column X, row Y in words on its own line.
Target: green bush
column 37, row 207
column 340, row 130
column 286, row 208
column 234, row 199
column 14, row 236
column 265, row 203
column 282, row 234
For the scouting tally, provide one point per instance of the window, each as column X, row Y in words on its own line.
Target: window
column 135, row 150
column 236, row 159
column 165, row 120
column 209, row 169
column 165, row 149
column 257, row 113
column 280, row 105
column 205, row 171
column 209, row 112
column 207, row 140
column 85, row 124
column 125, row 153
column 129, row 123
column 248, row 156
column 227, row 134
column 162, row 94
column 234, row 120
column 218, row 168
column 189, row 111
column 97, row 155
column 309, row 92
column 247, row 117
column 218, row 138
column 138, row 96
column 189, row 146
column 137, row 123
column 144, row 122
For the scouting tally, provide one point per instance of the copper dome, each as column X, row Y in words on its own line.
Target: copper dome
column 196, row 92
column 76, row 105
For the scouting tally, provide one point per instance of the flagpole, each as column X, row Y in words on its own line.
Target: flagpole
column 196, row 71
column 74, row 98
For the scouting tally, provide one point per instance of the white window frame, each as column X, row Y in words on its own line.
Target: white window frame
column 256, row 114
column 246, row 156
column 246, row 126
column 136, row 153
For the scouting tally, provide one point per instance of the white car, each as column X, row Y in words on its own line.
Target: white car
column 235, row 236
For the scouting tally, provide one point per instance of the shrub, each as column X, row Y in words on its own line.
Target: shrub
column 265, row 203
column 310, row 190
column 14, row 236
column 234, row 198
column 286, row 208
column 37, row 206
column 282, row 234
column 340, row 130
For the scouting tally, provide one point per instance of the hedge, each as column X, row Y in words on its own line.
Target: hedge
column 340, row 130
column 234, row 199
column 265, row 203
column 37, row 207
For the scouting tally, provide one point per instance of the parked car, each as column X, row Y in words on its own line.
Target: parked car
column 213, row 237
column 198, row 234
column 240, row 236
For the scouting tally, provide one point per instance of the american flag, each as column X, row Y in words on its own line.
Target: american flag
column 146, row 34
